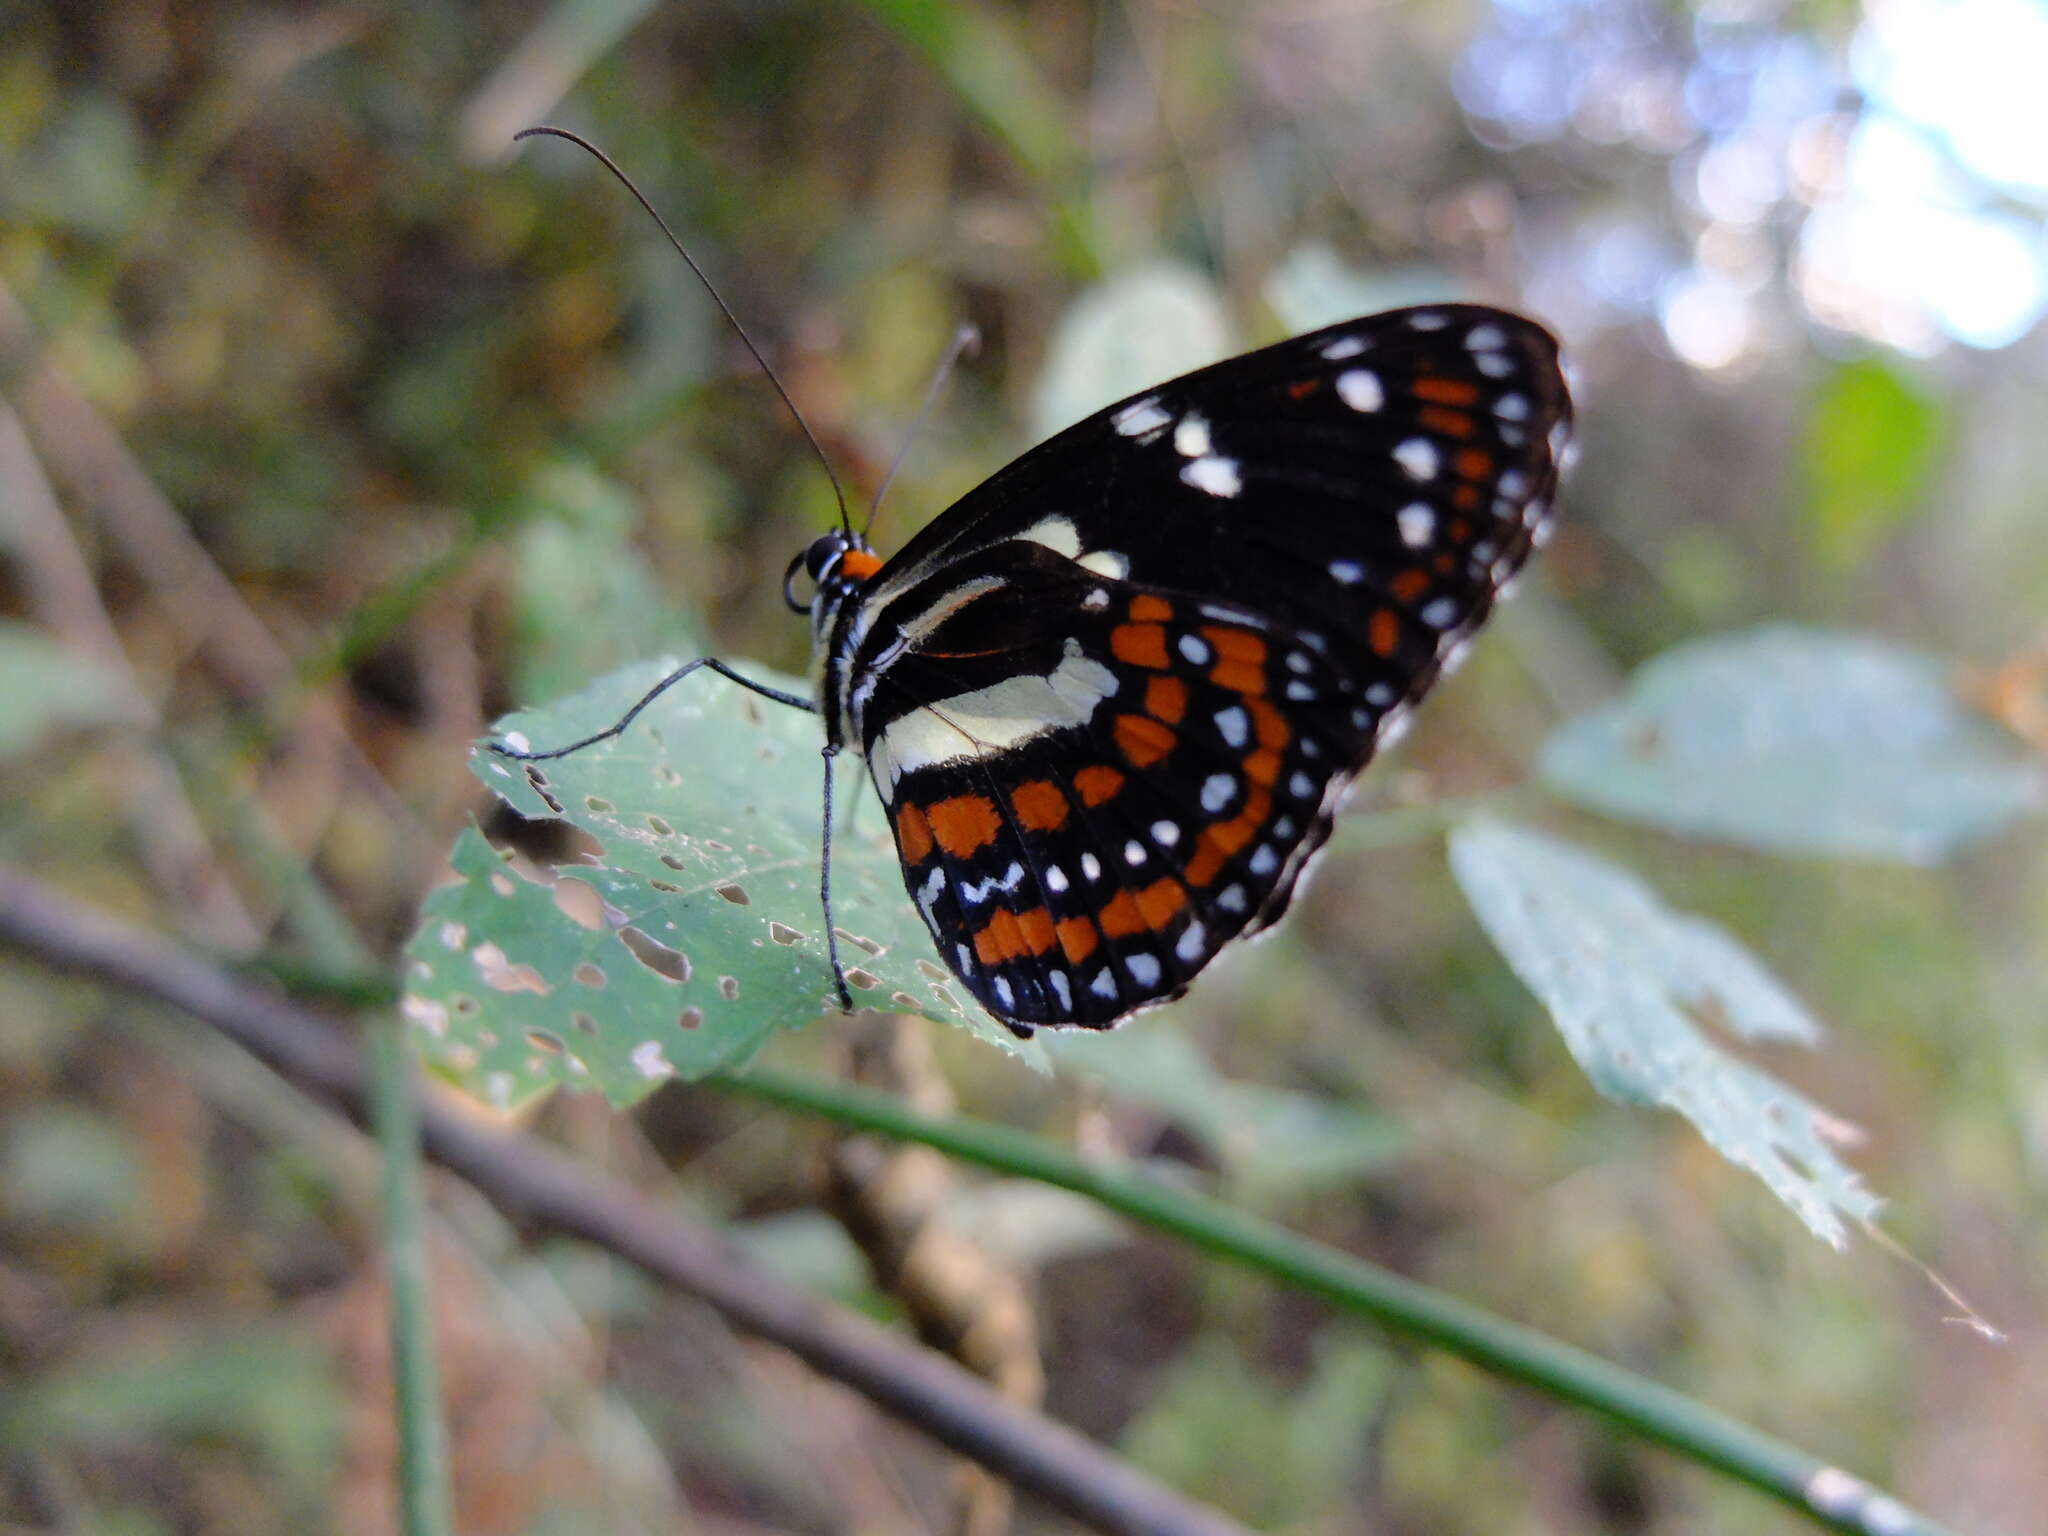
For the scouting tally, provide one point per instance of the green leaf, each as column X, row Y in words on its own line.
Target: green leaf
column 1870, row 442
column 696, row 934
column 46, row 688
column 1313, row 287
column 1797, row 741
column 1126, row 334
column 1625, row 978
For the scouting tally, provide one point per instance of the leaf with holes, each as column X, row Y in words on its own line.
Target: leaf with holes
column 693, row 934
column 1797, row 741
column 1627, row 981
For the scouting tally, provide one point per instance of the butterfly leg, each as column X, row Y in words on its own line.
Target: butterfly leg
column 795, row 701
column 831, row 753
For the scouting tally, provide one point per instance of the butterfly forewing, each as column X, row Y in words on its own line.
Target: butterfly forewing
column 1112, row 697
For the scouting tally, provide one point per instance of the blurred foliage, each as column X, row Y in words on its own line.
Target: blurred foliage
column 453, row 432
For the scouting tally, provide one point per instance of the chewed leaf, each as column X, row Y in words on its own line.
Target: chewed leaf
column 1797, row 741
column 1625, row 979
column 696, row 933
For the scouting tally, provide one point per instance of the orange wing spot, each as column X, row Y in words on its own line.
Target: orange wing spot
column 964, row 823
column 1450, row 423
column 1263, row 766
column 1270, row 725
column 1473, row 463
column 1146, row 606
column 1460, row 529
column 1236, row 644
column 860, row 564
column 1166, row 698
column 1141, row 645
column 1158, row 902
column 1220, row 841
column 1465, row 498
column 1098, row 784
column 1383, row 631
column 913, row 833
column 1036, row 926
column 1301, row 389
column 1039, row 805
column 1445, row 564
column 1409, row 585
column 1000, row 940
column 1143, row 740
column 1078, row 938
column 1120, row 917
column 1238, row 676
column 1440, row 391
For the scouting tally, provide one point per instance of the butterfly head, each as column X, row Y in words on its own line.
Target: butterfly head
column 838, row 564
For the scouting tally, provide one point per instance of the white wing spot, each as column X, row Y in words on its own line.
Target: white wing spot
column 1263, row 860
column 1301, row 786
column 1104, row 984
column 1440, row 613
column 1057, row 534
column 1218, row 790
column 1350, row 572
column 1380, row 695
column 1235, row 725
column 1105, row 562
column 1055, row 879
column 1165, row 833
column 1428, row 320
column 1091, row 866
column 1134, row 852
column 1144, row 969
column 1284, row 827
column 1062, row 988
column 1512, row 407
column 1360, row 389
column 1512, row 482
column 1417, row 524
column 1217, row 476
column 1195, row 648
column 1419, row 457
column 1191, row 436
column 1097, row 598
column 1299, row 691
column 1343, row 347
column 1003, row 993
column 1298, row 661
column 1232, row 899
column 966, row 957
column 1486, row 338
column 1140, row 417
column 1495, row 365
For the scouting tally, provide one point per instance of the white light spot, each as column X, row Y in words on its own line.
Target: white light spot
column 1235, row 725
column 1299, row 691
column 1360, row 389
column 1190, row 944
column 1218, row 790
column 1350, row 572
column 1191, row 436
column 1165, row 833
column 1105, row 562
column 1428, row 320
column 1495, row 365
column 1140, row 418
column 1104, row 984
column 1486, row 338
column 1418, row 456
column 1003, row 993
column 1055, row 879
column 1144, row 969
column 1263, row 860
column 1091, row 867
column 1232, row 899
column 1440, row 612
column 1416, row 522
column 1062, row 989
column 1195, row 648
column 1097, row 598
column 1512, row 407
column 1215, row 475
column 1301, row 786
column 1134, row 852
column 648, row 1060
column 1343, row 347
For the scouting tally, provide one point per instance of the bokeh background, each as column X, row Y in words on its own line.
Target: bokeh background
column 331, row 427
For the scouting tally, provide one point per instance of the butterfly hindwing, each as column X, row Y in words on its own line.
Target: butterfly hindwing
column 1112, row 697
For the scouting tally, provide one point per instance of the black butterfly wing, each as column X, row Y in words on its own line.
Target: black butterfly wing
column 1113, row 696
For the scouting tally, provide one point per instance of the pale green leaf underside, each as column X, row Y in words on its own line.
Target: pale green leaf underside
column 1126, row 334
column 1796, row 741
column 1625, row 979
column 707, row 935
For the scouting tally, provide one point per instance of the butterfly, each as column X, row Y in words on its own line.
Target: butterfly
column 1113, row 697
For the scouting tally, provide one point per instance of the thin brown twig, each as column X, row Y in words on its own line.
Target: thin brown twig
column 543, row 1189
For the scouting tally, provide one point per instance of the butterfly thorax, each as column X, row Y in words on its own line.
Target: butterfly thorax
column 839, row 563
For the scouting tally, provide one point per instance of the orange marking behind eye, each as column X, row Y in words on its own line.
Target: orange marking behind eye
column 1146, row 606
column 1141, row 645
column 1160, row 900
column 1238, row 676
column 1383, row 631
column 1097, row 784
column 1445, row 391
column 1236, row 644
column 1078, row 938
column 1409, row 585
column 1473, row 463
column 1449, row 423
column 1166, row 698
column 913, row 833
column 1143, row 740
column 860, row 564
column 1039, row 805
column 1220, row 841
column 964, row 823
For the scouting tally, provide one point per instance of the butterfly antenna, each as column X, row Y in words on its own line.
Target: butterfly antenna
column 966, row 342
column 549, row 131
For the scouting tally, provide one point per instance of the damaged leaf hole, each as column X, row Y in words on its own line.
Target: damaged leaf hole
column 668, row 777
column 597, row 805
column 670, row 964
column 904, row 1001
column 539, row 782
column 665, row 888
column 464, row 1005
column 546, row 1040
column 590, row 974
column 691, row 1017
column 583, row 1021
column 875, row 950
column 930, row 971
column 501, row 974
column 672, row 862
column 782, row 933
column 502, row 883
column 729, row 986
column 454, row 935
column 867, row 981
column 659, row 827
column 716, row 846
column 735, row 893
column 579, row 901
